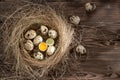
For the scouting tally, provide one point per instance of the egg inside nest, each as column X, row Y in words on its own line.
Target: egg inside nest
column 40, row 41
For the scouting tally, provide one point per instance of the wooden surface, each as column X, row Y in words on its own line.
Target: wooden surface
column 101, row 60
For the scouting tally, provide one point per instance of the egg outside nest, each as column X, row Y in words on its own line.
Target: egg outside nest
column 81, row 49
column 75, row 19
column 90, row 7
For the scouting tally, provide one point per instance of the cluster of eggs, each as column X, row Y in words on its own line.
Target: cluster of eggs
column 42, row 44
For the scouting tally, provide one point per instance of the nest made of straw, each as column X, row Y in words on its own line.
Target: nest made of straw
column 20, row 21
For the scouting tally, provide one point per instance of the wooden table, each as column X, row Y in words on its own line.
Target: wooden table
column 103, row 61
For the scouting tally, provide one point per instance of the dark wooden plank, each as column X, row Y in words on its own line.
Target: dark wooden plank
column 107, row 15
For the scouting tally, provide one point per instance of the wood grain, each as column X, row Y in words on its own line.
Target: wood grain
column 101, row 60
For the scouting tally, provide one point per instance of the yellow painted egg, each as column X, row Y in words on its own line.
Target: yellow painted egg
column 37, row 40
column 43, row 46
column 30, row 34
column 38, row 55
column 29, row 45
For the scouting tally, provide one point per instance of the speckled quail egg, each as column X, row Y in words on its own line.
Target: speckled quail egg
column 38, row 55
column 90, row 7
column 50, row 50
column 30, row 34
column 44, row 30
column 52, row 34
column 81, row 49
column 29, row 45
column 37, row 40
column 75, row 19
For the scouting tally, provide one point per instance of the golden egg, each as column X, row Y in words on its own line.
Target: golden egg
column 43, row 46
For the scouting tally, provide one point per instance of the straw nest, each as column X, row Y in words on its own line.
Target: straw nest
column 31, row 17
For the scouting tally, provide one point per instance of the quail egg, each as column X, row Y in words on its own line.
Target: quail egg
column 29, row 45
column 50, row 41
column 80, row 49
column 30, row 34
column 75, row 19
column 44, row 30
column 90, row 7
column 50, row 50
column 43, row 46
column 52, row 34
column 38, row 55
column 37, row 40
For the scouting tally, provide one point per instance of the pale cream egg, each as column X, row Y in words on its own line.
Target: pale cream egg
column 29, row 45
column 37, row 40
column 50, row 50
